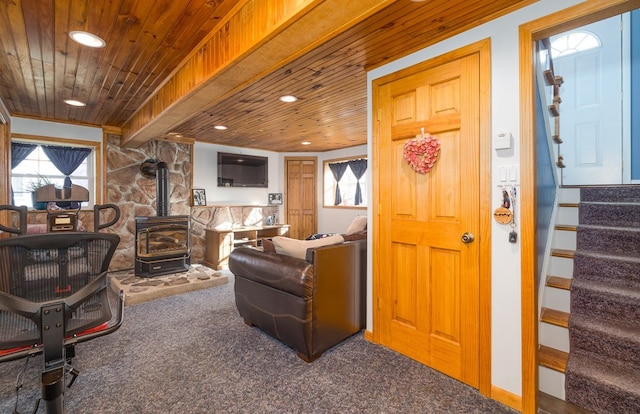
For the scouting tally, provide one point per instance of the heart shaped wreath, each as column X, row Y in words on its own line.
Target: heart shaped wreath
column 421, row 152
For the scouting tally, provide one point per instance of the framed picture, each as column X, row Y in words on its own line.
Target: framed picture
column 198, row 197
column 275, row 198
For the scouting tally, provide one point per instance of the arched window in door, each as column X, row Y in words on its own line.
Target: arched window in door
column 573, row 42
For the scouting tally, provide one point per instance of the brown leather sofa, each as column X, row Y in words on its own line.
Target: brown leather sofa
column 310, row 305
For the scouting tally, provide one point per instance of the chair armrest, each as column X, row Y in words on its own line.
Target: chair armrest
column 339, row 298
column 278, row 271
column 340, row 273
column 22, row 226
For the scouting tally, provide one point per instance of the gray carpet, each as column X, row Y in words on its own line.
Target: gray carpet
column 604, row 328
column 193, row 354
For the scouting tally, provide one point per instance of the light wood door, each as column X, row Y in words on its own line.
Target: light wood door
column 428, row 295
column 301, row 196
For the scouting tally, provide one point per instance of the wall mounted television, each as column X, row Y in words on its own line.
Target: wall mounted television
column 241, row 170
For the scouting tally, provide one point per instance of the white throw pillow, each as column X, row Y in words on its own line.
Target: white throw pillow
column 298, row 248
column 358, row 224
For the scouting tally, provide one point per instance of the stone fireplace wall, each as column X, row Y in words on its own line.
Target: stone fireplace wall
column 136, row 195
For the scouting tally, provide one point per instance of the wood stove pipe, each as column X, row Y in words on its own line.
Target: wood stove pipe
column 163, row 204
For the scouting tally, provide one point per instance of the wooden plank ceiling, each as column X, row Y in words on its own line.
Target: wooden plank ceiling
column 148, row 41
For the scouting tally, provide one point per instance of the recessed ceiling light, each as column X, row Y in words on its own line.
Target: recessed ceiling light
column 73, row 102
column 288, row 98
column 87, row 39
column 220, row 127
column 306, row 143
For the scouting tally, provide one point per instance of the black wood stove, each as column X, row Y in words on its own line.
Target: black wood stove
column 162, row 245
column 162, row 242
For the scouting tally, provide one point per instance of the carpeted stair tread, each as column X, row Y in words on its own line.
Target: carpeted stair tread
column 605, row 338
column 626, row 193
column 603, row 369
column 604, row 300
column 603, row 267
column 601, row 387
column 609, row 214
column 614, row 240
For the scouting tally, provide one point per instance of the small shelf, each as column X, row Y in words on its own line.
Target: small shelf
column 244, row 241
column 220, row 243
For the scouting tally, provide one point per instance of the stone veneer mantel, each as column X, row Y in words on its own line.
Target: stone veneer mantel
column 223, row 217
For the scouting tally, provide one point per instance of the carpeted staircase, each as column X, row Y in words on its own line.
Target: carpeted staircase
column 603, row 371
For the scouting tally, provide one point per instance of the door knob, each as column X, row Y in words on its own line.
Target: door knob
column 467, row 237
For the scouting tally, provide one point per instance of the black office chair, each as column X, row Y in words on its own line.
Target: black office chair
column 53, row 295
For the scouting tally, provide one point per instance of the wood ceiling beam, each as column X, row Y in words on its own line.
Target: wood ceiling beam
column 255, row 38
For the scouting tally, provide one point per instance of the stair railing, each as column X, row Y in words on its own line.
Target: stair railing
column 549, row 84
column 548, row 103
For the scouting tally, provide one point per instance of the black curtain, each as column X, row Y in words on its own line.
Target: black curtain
column 358, row 167
column 19, row 151
column 338, row 169
column 66, row 159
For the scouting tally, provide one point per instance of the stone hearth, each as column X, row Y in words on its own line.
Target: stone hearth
column 139, row 289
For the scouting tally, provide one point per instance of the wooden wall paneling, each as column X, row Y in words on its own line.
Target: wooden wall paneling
column 66, row 88
column 61, row 13
column 146, row 66
column 151, row 42
column 40, row 50
column 14, row 46
column 297, row 27
column 336, row 69
column 445, row 19
column 146, row 40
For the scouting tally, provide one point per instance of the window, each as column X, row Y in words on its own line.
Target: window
column 34, row 167
column 347, row 170
column 573, row 42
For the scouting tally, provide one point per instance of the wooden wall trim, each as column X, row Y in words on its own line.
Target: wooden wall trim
column 5, row 154
column 111, row 130
column 103, row 170
column 257, row 38
column 483, row 48
column 5, row 160
column 323, row 183
column 576, row 16
column 507, row 398
column 527, row 224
